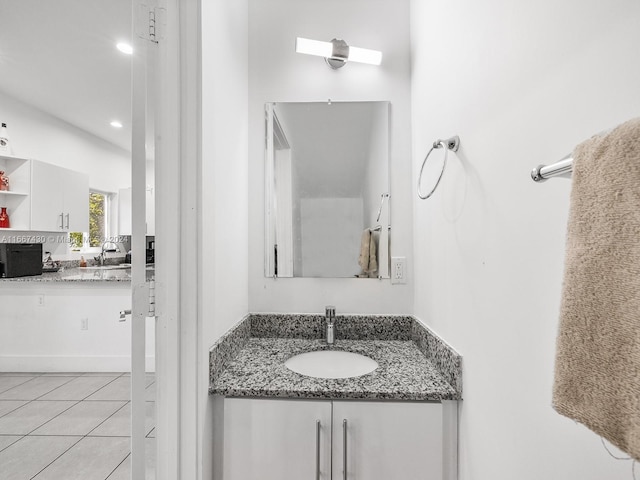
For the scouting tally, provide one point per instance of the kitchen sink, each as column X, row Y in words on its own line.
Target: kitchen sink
column 331, row 364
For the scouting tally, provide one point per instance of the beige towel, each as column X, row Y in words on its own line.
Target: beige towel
column 597, row 371
column 368, row 257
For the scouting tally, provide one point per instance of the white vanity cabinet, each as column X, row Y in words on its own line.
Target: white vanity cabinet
column 305, row 439
column 387, row 440
column 276, row 439
column 59, row 198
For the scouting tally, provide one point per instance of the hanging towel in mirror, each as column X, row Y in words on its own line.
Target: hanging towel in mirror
column 368, row 257
column 597, row 369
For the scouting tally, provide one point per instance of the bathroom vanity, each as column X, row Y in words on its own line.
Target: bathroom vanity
column 397, row 422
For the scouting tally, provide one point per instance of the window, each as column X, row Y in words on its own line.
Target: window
column 99, row 203
column 97, row 218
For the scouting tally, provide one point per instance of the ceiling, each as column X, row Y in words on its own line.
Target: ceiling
column 331, row 144
column 60, row 57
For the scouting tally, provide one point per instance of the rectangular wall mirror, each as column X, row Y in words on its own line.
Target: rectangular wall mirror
column 327, row 210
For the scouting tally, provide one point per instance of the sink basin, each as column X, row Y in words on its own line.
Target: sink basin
column 331, row 364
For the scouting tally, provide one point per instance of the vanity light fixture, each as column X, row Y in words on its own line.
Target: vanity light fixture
column 125, row 48
column 116, row 124
column 337, row 52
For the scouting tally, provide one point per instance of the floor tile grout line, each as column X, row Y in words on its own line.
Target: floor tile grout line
column 52, row 461
column 74, row 378
column 104, row 386
column 87, row 435
column 117, row 466
column 53, row 418
column 77, row 402
column 76, row 443
column 26, row 381
column 12, row 443
column 43, row 393
column 107, row 418
column 19, row 406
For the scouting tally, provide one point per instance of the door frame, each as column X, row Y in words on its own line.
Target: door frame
column 178, row 248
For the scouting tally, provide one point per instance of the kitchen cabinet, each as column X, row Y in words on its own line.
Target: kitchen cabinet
column 292, row 439
column 59, row 198
column 16, row 199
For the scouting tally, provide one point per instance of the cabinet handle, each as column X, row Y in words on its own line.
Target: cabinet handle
column 67, row 221
column 317, row 449
column 344, row 449
column 62, row 221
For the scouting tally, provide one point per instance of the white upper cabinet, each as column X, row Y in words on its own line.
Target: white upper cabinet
column 59, row 199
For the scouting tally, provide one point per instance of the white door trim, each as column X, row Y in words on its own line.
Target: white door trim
column 177, row 246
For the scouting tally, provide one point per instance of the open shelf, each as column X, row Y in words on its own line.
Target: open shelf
column 17, row 198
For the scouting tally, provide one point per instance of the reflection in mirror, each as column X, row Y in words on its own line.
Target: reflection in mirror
column 327, row 189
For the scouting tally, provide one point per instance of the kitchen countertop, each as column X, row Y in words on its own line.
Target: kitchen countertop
column 253, row 365
column 81, row 275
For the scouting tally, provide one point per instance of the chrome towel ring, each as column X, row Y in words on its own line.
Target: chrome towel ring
column 452, row 143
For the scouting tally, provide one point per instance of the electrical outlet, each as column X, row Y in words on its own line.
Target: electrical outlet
column 84, row 324
column 398, row 270
column 40, row 301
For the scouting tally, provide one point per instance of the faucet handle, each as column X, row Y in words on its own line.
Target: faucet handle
column 330, row 311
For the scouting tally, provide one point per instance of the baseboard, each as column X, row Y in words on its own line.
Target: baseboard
column 54, row 364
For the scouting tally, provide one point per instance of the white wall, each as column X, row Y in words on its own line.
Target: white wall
column 36, row 134
column 49, row 338
column 326, row 238
column 224, row 234
column 522, row 83
column 278, row 74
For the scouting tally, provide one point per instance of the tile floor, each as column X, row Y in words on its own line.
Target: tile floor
column 68, row 426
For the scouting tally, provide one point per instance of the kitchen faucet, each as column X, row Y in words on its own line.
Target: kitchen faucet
column 101, row 258
column 330, row 315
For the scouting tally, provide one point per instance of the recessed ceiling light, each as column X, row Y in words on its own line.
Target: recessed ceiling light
column 125, row 48
column 116, row 124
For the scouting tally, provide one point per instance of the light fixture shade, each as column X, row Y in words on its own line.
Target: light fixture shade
column 337, row 52
column 364, row 55
column 313, row 47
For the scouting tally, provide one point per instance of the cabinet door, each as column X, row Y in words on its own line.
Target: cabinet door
column 276, row 439
column 47, row 204
column 76, row 201
column 387, row 440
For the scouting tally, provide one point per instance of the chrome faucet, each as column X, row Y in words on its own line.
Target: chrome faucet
column 330, row 315
column 101, row 258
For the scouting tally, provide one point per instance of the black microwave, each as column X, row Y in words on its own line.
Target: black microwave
column 20, row 259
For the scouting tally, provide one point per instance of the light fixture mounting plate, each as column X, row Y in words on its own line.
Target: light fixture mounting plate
column 339, row 55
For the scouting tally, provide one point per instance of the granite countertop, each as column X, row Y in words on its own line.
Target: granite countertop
column 82, row 275
column 253, row 363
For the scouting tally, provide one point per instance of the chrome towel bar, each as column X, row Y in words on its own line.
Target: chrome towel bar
column 543, row 172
